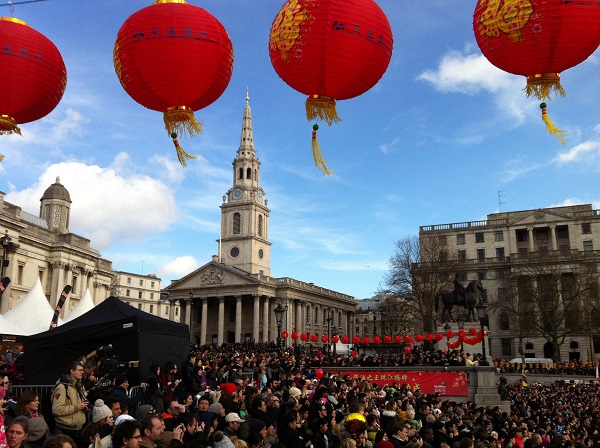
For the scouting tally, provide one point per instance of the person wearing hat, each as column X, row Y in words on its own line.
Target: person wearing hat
column 37, row 433
column 100, row 424
column 232, row 400
column 233, row 422
column 119, row 390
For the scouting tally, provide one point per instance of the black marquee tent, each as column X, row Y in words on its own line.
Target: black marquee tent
column 134, row 334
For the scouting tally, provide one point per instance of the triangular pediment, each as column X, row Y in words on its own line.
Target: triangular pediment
column 539, row 216
column 211, row 275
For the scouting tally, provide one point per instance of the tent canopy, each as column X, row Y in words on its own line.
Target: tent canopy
column 134, row 334
column 85, row 304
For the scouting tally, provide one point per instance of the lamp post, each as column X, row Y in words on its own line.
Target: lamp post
column 334, row 332
column 460, row 320
column 481, row 313
column 279, row 310
column 7, row 245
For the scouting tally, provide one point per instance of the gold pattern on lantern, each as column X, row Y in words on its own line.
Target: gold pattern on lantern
column 286, row 28
column 509, row 18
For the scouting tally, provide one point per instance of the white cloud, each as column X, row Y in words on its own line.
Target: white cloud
column 111, row 203
column 179, row 267
column 583, row 150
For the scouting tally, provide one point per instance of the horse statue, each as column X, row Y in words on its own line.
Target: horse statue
column 449, row 300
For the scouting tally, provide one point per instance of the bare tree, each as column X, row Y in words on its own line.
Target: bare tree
column 396, row 317
column 548, row 295
column 420, row 269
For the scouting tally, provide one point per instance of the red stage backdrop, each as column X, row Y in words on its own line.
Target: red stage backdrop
column 452, row 384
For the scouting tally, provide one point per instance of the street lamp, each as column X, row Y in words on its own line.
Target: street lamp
column 334, row 332
column 460, row 320
column 6, row 243
column 481, row 313
column 279, row 319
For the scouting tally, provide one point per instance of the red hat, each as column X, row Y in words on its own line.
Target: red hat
column 228, row 388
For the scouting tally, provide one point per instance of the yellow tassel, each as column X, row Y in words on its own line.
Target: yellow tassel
column 551, row 128
column 181, row 120
column 8, row 125
column 323, row 108
column 317, row 152
column 542, row 85
column 1, row 157
column 182, row 155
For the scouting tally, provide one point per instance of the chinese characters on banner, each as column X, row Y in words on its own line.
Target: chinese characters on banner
column 453, row 384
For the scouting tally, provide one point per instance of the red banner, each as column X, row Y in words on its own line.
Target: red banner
column 452, row 384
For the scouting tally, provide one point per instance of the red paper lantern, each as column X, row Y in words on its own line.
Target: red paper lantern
column 387, row 339
column 319, row 373
column 285, row 334
column 366, row 340
column 304, row 337
column 462, row 333
column 295, row 335
column 356, row 340
column 407, row 350
column 419, row 338
column 408, row 339
column 324, row 338
column 174, row 58
column 377, row 340
column 330, row 50
column 335, row 339
column 33, row 78
column 398, row 339
column 439, row 336
column 472, row 331
column 537, row 39
column 450, row 334
column 429, row 337
column 314, row 338
column 345, row 339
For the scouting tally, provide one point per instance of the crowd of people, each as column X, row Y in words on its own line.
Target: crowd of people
column 255, row 396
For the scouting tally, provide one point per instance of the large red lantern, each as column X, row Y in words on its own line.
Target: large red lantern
column 324, row 338
column 429, row 337
column 537, row 39
column 295, row 335
column 439, row 337
column 376, row 340
column 314, row 338
column 398, row 339
column 285, row 335
column 366, row 340
column 174, row 58
column 345, row 339
column 335, row 339
column 355, row 340
column 330, row 50
column 304, row 337
column 408, row 339
column 387, row 339
column 33, row 78
column 419, row 338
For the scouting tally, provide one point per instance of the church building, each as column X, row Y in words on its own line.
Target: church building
column 233, row 297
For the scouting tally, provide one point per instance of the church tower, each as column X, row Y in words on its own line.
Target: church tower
column 244, row 213
column 55, row 207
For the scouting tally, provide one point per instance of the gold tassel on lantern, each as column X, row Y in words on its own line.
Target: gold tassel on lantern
column 182, row 155
column 317, row 152
column 323, row 108
column 551, row 128
column 181, row 119
column 8, row 125
column 542, row 85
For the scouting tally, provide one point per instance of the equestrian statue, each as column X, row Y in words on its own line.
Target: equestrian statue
column 461, row 296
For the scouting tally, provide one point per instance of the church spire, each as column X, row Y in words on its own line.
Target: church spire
column 247, row 138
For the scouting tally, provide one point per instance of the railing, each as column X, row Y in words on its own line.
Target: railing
column 465, row 225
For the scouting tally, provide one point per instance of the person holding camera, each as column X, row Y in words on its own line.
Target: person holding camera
column 69, row 404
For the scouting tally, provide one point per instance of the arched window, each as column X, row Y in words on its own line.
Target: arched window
column 529, row 346
column 307, row 314
column 241, row 173
column 260, row 225
column 249, row 173
column 574, row 345
column 504, row 321
column 237, row 223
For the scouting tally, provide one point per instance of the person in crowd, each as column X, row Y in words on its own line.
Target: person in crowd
column 69, row 405
column 37, row 432
column 60, row 441
column 127, row 435
column 28, row 404
column 152, row 429
column 233, row 422
column 187, row 373
column 170, row 415
column 169, row 380
column 119, row 390
column 199, row 376
column 100, row 425
column 154, row 389
column 16, row 433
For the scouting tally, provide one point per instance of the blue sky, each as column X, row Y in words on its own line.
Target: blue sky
column 433, row 142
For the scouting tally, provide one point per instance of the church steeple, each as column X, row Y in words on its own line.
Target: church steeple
column 244, row 212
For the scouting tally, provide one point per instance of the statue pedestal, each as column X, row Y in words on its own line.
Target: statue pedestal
column 472, row 349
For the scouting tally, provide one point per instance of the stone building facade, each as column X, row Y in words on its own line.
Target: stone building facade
column 232, row 298
column 489, row 249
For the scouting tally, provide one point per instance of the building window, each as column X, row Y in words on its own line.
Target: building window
column 316, row 315
column 586, row 228
column 462, row 255
column 129, row 280
column 151, row 309
column 564, row 249
column 501, row 293
column 139, row 306
column 237, row 223
column 541, row 235
column 592, row 268
column 523, row 251
column 504, row 321
column 248, row 173
column 260, row 225
column 479, row 237
column 498, row 235
column 562, row 232
column 460, row 238
column 324, row 317
column 500, row 253
column 442, row 240
column 481, row 275
column 167, row 310
column 307, row 314
column 522, row 236
column 74, row 285
column 340, row 321
column 141, row 282
column 176, row 311
column 241, row 173
column 499, row 274
column 20, row 270
column 151, row 284
column 128, row 293
column 139, row 294
column 480, row 255
column 588, row 246
column 506, row 346
column 151, row 296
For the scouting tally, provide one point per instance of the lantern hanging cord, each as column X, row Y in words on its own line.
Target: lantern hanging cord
column 182, row 155
column 11, row 5
column 551, row 128
column 317, row 152
column 542, row 85
column 321, row 107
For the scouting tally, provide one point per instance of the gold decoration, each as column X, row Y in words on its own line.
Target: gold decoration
column 321, row 107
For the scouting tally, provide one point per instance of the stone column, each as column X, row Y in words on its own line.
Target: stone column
column 238, row 319
column 204, row 329
column 266, row 310
column 256, row 319
column 553, row 237
column 172, row 310
column 272, row 306
column 530, row 238
column 221, row 321
column 58, row 278
column 298, row 316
